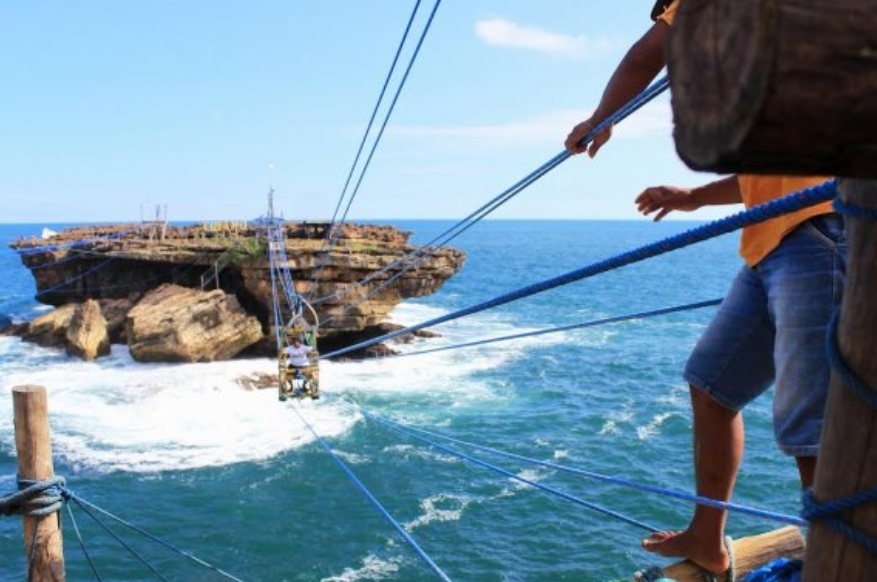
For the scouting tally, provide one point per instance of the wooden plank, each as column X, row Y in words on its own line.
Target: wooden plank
column 775, row 86
column 750, row 553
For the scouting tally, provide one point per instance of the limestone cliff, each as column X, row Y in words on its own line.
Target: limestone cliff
column 118, row 265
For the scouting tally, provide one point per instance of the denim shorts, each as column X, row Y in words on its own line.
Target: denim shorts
column 770, row 329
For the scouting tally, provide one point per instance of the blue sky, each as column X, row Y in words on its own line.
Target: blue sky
column 110, row 108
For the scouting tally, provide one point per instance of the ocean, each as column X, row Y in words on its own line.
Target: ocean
column 254, row 486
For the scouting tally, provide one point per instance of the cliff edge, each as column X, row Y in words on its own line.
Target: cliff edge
column 205, row 291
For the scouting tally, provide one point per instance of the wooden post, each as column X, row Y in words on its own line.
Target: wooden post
column 775, row 86
column 34, row 447
column 848, row 452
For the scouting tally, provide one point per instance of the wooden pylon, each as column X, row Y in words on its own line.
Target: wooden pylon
column 848, row 451
column 34, row 447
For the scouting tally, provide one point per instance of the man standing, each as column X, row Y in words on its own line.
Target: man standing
column 770, row 328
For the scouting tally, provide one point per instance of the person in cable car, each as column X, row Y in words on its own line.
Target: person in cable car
column 297, row 353
column 296, row 361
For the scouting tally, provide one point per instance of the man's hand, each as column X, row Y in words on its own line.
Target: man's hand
column 573, row 141
column 665, row 199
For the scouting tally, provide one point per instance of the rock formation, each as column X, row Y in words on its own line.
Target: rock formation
column 204, row 292
column 87, row 335
column 175, row 324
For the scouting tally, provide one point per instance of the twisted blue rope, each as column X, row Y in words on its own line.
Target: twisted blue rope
column 854, row 210
column 34, row 498
column 830, row 512
column 779, row 570
column 839, row 365
column 754, row 215
column 368, row 494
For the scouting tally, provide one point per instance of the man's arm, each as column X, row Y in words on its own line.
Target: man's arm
column 642, row 63
column 665, row 199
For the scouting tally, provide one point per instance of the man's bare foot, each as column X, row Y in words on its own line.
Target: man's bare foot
column 685, row 544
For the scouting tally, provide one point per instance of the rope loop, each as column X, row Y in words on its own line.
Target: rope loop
column 854, row 210
column 829, row 513
column 35, row 498
column 839, row 365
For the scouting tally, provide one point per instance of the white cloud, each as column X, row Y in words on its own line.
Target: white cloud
column 504, row 33
column 653, row 119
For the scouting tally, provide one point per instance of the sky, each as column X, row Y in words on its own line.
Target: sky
column 111, row 110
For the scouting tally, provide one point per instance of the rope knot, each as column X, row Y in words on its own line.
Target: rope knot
column 35, row 498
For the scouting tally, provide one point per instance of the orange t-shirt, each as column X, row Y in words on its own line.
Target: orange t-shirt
column 758, row 240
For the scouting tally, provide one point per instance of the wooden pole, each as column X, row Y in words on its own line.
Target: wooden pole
column 34, row 448
column 775, row 86
column 848, row 451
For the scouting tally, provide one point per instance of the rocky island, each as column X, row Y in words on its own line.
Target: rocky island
column 204, row 292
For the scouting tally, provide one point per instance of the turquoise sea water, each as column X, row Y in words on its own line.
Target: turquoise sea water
column 238, row 479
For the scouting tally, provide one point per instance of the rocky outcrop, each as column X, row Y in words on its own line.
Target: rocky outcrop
column 87, row 335
column 353, row 284
column 175, row 324
column 50, row 330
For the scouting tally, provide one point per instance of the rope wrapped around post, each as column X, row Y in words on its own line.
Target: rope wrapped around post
column 35, row 498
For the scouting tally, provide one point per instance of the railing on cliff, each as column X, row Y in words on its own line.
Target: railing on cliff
column 212, row 274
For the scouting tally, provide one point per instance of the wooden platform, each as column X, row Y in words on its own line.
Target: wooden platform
column 750, row 553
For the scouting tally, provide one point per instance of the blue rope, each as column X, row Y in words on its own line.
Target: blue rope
column 816, row 510
column 275, row 300
column 118, row 539
column 854, row 210
column 68, row 281
column 375, row 110
column 593, row 323
column 828, row 513
column 86, row 506
column 633, row 105
column 359, row 484
column 279, row 270
column 756, row 214
column 849, row 377
column 329, row 233
column 831, row 512
column 170, row 275
column 42, row 498
column 448, row 235
column 81, row 541
column 508, row 474
column 779, row 570
column 34, row 498
column 391, row 108
column 604, row 478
